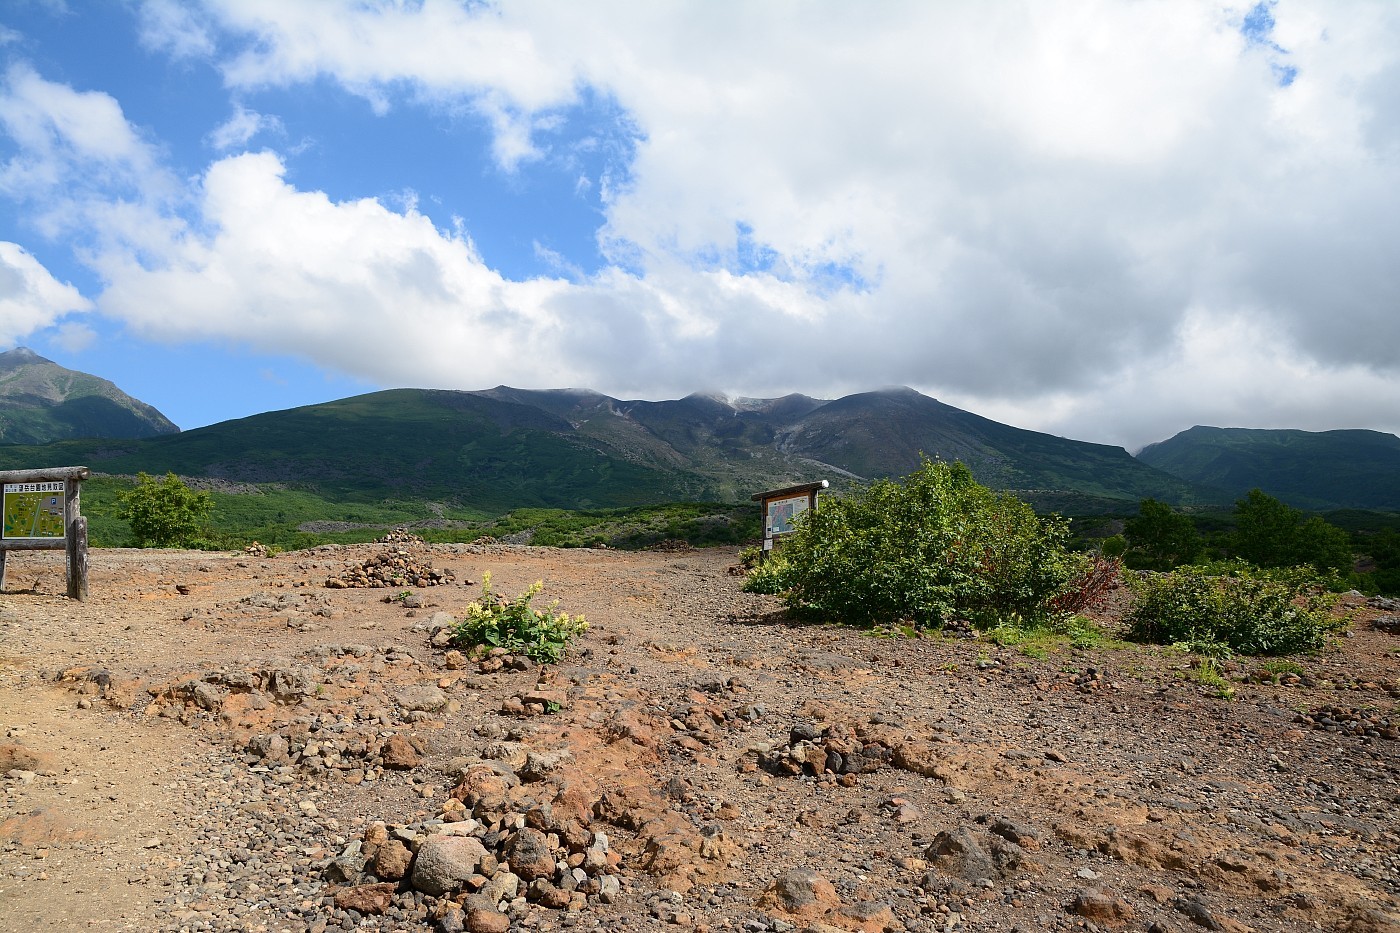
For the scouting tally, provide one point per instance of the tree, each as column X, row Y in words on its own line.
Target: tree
column 1160, row 537
column 1265, row 529
column 165, row 512
column 1270, row 533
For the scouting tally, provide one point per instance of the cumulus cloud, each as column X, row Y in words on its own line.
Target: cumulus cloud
column 353, row 285
column 30, row 297
column 1061, row 211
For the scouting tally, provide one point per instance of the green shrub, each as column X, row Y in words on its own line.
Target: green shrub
column 165, row 512
column 1248, row 612
column 543, row 635
column 931, row 548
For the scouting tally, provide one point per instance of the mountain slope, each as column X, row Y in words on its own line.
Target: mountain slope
column 505, row 448
column 41, row 401
column 1323, row 469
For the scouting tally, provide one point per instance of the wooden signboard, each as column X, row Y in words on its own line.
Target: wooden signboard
column 41, row 512
column 781, row 506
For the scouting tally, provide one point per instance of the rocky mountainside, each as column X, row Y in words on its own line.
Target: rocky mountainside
column 41, row 401
column 507, row 448
column 1317, row 470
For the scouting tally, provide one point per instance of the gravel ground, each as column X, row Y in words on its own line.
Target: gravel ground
column 223, row 742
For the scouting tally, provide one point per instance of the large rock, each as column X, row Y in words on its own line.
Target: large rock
column 444, row 862
column 392, row 860
column 423, row 697
column 957, row 852
column 399, row 754
column 1101, row 906
column 800, row 893
column 15, row 757
column 531, row 856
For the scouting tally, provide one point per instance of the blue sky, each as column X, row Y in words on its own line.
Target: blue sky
column 1100, row 218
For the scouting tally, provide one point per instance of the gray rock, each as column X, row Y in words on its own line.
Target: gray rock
column 444, row 862
column 957, row 852
column 425, row 697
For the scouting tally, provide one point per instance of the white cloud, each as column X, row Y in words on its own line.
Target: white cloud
column 240, row 128
column 352, row 285
column 1045, row 210
column 30, row 297
column 75, row 337
column 80, row 166
column 174, row 26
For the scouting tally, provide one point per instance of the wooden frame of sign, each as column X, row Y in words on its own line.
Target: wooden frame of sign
column 780, row 506
column 39, row 528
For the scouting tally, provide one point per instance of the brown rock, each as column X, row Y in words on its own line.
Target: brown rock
column 531, row 855
column 800, row 893
column 15, row 757
column 399, row 754
column 392, row 859
column 1101, row 906
column 366, row 898
column 486, row 920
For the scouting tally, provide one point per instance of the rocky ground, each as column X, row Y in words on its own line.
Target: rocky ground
column 225, row 742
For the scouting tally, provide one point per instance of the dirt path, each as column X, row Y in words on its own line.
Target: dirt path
column 220, row 742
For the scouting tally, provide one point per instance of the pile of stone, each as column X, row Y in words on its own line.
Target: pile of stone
column 401, row 536
column 396, row 568
column 838, row 749
column 709, row 711
column 257, row 549
column 493, row 852
column 1368, row 723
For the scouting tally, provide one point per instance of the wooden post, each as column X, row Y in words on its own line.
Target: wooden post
column 2, row 570
column 78, row 559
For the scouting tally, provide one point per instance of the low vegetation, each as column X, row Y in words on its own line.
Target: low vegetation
column 932, row 548
column 513, row 625
column 1243, row 611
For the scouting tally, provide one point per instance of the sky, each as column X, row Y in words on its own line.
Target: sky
column 1105, row 219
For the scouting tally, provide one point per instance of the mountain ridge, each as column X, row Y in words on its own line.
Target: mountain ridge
column 41, row 402
column 504, row 448
column 1347, row 468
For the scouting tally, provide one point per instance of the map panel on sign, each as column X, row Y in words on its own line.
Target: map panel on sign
column 33, row 510
column 781, row 512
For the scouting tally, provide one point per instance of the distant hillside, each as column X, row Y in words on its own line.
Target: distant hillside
column 41, row 401
column 507, row 448
column 1315, row 470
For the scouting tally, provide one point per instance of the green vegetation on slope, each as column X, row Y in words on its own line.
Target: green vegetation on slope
column 1312, row 470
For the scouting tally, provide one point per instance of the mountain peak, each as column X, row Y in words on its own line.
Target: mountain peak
column 19, row 356
column 41, row 401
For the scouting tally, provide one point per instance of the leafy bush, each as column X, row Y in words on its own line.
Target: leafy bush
column 165, row 512
column 934, row 547
column 1249, row 612
column 543, row 635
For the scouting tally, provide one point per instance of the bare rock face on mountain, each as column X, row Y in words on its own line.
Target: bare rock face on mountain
column 41, row 401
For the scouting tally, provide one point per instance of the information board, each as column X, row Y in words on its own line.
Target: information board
column 781, row 512
column 33, row 510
